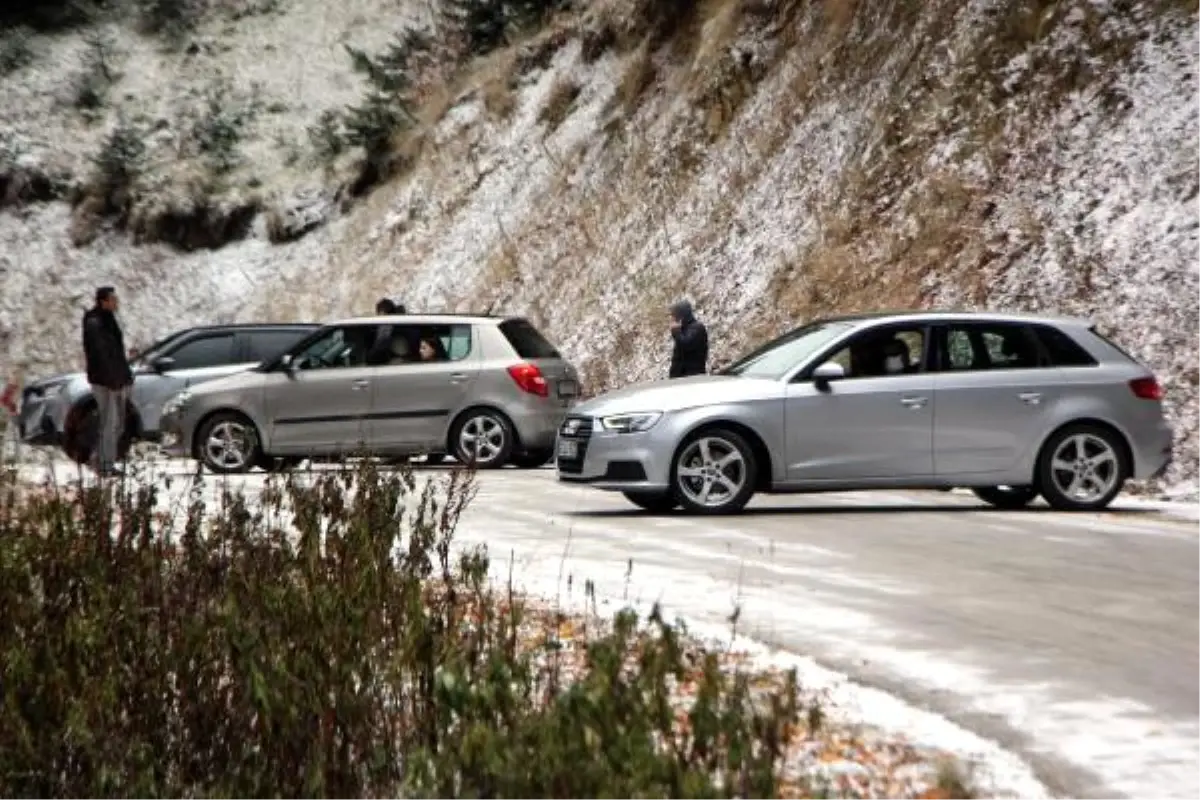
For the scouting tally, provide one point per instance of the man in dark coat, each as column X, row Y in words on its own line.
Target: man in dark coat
column 690, row 353
column 109, row 374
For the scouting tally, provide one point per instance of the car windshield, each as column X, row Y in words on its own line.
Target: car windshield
column 147, row 354
column 779, row 356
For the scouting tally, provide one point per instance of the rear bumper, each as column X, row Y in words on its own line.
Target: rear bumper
column 537, row 429
column 1152, row 459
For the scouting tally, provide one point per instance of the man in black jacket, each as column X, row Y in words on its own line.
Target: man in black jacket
column 690, row 353
column 109, row 374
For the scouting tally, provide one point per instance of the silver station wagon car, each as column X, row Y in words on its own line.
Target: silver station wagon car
column 1010, row 406
column 488, row 390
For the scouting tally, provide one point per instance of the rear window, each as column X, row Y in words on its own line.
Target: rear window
column 1062, row 349
column 526, row 340
column 1096, row 332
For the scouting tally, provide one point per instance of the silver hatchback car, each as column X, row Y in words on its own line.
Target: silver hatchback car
column 1010, row 406
column 487, row 390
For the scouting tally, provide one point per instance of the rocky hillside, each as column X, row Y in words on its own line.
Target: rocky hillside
column 586, row 163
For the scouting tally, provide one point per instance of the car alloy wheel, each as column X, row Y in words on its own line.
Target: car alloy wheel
column 1082, row 469
column 715, row 473
column 483, row 440
column 229, row 445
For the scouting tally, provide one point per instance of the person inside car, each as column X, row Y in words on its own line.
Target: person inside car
column 432, row 350
column 895, row 358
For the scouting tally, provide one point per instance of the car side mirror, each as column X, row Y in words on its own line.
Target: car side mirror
column 288, row 364
column 162, row 364
column 826, row 373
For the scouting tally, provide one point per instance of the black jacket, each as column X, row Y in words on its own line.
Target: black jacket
column 690, row 353
column 104, row 350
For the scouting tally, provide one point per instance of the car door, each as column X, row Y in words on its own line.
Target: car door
column 995, row 394
column 869, row 425
column 320, row 403
column 415, row 397
column 195, row 359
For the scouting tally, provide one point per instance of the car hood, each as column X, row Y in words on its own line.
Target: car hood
column 238, row 381
column 54, row 380
column 680, row 393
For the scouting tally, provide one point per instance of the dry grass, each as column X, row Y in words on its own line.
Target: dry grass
column 639, row 75
column 559, row 102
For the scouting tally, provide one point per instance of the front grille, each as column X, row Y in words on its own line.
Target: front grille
column 578, row 429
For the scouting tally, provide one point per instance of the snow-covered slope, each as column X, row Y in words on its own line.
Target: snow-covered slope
column 774, row 161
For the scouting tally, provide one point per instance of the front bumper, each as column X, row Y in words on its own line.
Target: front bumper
column 173, row 440
column 586, row 454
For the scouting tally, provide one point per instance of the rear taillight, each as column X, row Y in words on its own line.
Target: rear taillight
column 530, row 379
column 1146, row 388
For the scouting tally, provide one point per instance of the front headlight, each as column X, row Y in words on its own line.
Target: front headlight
column 631, row 423
column 176, row 403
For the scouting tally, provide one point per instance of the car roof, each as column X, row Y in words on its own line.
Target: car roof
column 248, row 326
column 942, row 315
column 429, row 319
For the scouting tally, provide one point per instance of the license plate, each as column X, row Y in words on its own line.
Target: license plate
column 568, row 388
column 568, row 449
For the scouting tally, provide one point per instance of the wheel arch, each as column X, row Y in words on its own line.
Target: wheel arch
column 1120, row 436
column 762, row 454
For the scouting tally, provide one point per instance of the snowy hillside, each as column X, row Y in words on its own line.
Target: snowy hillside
column 772, row 159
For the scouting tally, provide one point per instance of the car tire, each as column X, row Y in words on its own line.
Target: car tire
column 532, row 459
column 654, row 502
column 1082, row 467
column 739, row 469
column 239, row 451
column 489, row 432
column 1009, row 498
column 82, row 430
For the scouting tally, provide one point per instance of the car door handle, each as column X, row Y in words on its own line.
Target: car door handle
column 914, row 402
column 360, row 384
column 458, row 377
column 1030, row 398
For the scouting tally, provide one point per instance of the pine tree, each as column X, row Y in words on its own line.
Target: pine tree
column 386, row 108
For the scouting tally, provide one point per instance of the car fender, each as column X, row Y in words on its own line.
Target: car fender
column 764, row 418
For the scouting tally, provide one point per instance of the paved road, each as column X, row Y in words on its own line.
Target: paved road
column 1071, row 639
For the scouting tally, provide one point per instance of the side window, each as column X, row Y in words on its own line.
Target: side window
column 982, row 347
column 202, row 352
column 1062, row 349
column 875, row 354
column 337, row 348
column 265, row 345
column 960, row 351
column 419, row 344
column 457, row 340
